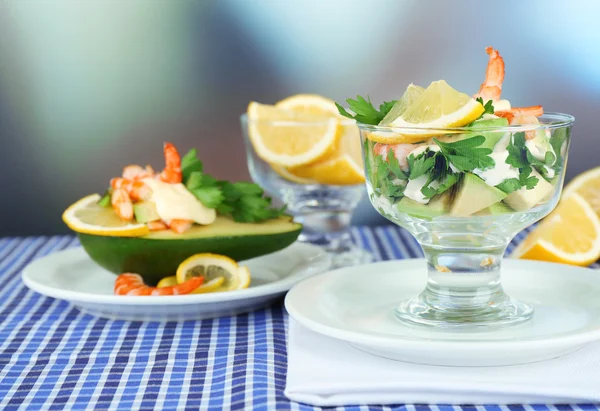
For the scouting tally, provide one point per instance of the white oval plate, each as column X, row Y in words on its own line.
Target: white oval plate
column 72, row 276
column 356, row 305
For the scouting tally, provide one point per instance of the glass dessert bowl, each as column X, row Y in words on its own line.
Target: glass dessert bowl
column 463, row 191
column 302, row 152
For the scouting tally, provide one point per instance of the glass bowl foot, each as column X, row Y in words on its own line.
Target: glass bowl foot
column 426, row 310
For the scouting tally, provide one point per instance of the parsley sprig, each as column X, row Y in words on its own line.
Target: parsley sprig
column 466, row 155
column 364, row 110
column 243, row 201
column 487, row 107
column 519, row 157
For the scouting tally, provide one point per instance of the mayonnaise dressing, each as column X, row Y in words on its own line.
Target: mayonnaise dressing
column 539, row 147
column 501, row 105
column 174, row 201
column 413, row 189
column 501, row 170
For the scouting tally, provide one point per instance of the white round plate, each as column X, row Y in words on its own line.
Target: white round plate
column 72, row 276
column 356, row 305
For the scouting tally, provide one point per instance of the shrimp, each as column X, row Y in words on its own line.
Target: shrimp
column 401, row 152
column 491, row 88
column 172, row 172
column 121, row 203
column 133, row 284
column 525, row 120
column 535, row 111
column 157, row 225
column 180, row 226
column 136, row 189
column 135, row 172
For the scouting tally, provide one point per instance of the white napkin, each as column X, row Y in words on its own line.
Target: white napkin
column 328, row 372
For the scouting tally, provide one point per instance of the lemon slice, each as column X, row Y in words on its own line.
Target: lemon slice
column 86, row 216
column 210, row 286
column 283, row 172
column 212, row 266
column 311, row 104
column 167, row 282
column 587, row 185
column 411, row 94
column 288, row 138
column 439, row 106
column 568, row 235
column 343, row 167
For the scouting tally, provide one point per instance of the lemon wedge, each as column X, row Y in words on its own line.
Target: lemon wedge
column 440, row 106
column 167, row 282
column 569, row 235
column 343, row 164
column 342, row 167
column 87, row 216
column 210, row 286
column 289, row 138
column 212, row 267
column 411, row 94
column 587, row 185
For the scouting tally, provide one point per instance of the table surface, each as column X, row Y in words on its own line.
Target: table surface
column 54, row 357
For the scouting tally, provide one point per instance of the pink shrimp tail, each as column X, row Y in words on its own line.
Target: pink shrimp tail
column 172, row 172
column 491, row 88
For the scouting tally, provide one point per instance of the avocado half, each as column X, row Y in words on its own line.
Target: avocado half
column 158, row 254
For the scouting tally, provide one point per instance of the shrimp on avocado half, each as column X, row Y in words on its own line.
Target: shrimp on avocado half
column 150, row 220
column 134, row 186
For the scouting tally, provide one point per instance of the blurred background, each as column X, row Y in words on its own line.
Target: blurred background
column 87, row 87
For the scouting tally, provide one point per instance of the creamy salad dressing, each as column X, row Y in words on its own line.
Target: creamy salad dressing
column 174, row 201
column 501, row 170
column 538, row 147
column 413, row 189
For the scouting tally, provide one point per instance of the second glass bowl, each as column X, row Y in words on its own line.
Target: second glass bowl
column 325, row 210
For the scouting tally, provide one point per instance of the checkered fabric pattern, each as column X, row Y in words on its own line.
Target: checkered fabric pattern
column 53, row 357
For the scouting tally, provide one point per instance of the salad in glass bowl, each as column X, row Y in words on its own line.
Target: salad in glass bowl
column 464, row 174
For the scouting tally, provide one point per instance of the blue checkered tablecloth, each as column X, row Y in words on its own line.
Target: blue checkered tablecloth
column 54, row 357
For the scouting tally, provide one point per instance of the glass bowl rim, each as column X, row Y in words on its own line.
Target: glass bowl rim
column 561, row 120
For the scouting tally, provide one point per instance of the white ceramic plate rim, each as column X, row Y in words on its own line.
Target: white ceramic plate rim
column 373, row 339
column 320, row 260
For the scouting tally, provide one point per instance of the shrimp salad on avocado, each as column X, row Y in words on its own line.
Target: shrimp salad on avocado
column 182, row 195
column 418, row 165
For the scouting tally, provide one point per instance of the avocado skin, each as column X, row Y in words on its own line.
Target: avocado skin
column 155, row 259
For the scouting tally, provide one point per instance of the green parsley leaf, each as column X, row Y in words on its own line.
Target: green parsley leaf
column 366, row 113
column 466, row 155
column 517, row 156
column 442, row 174
column 428, row 192
column 211, row 197
column 447, row 182
column 388, row 179
column 243, row 201
column 420, row 165
column 549, row 158
column 205, row 188
column 394, row 166
column 487, row 107
column 509, row 185
column 190, row 164
column 526, row 179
